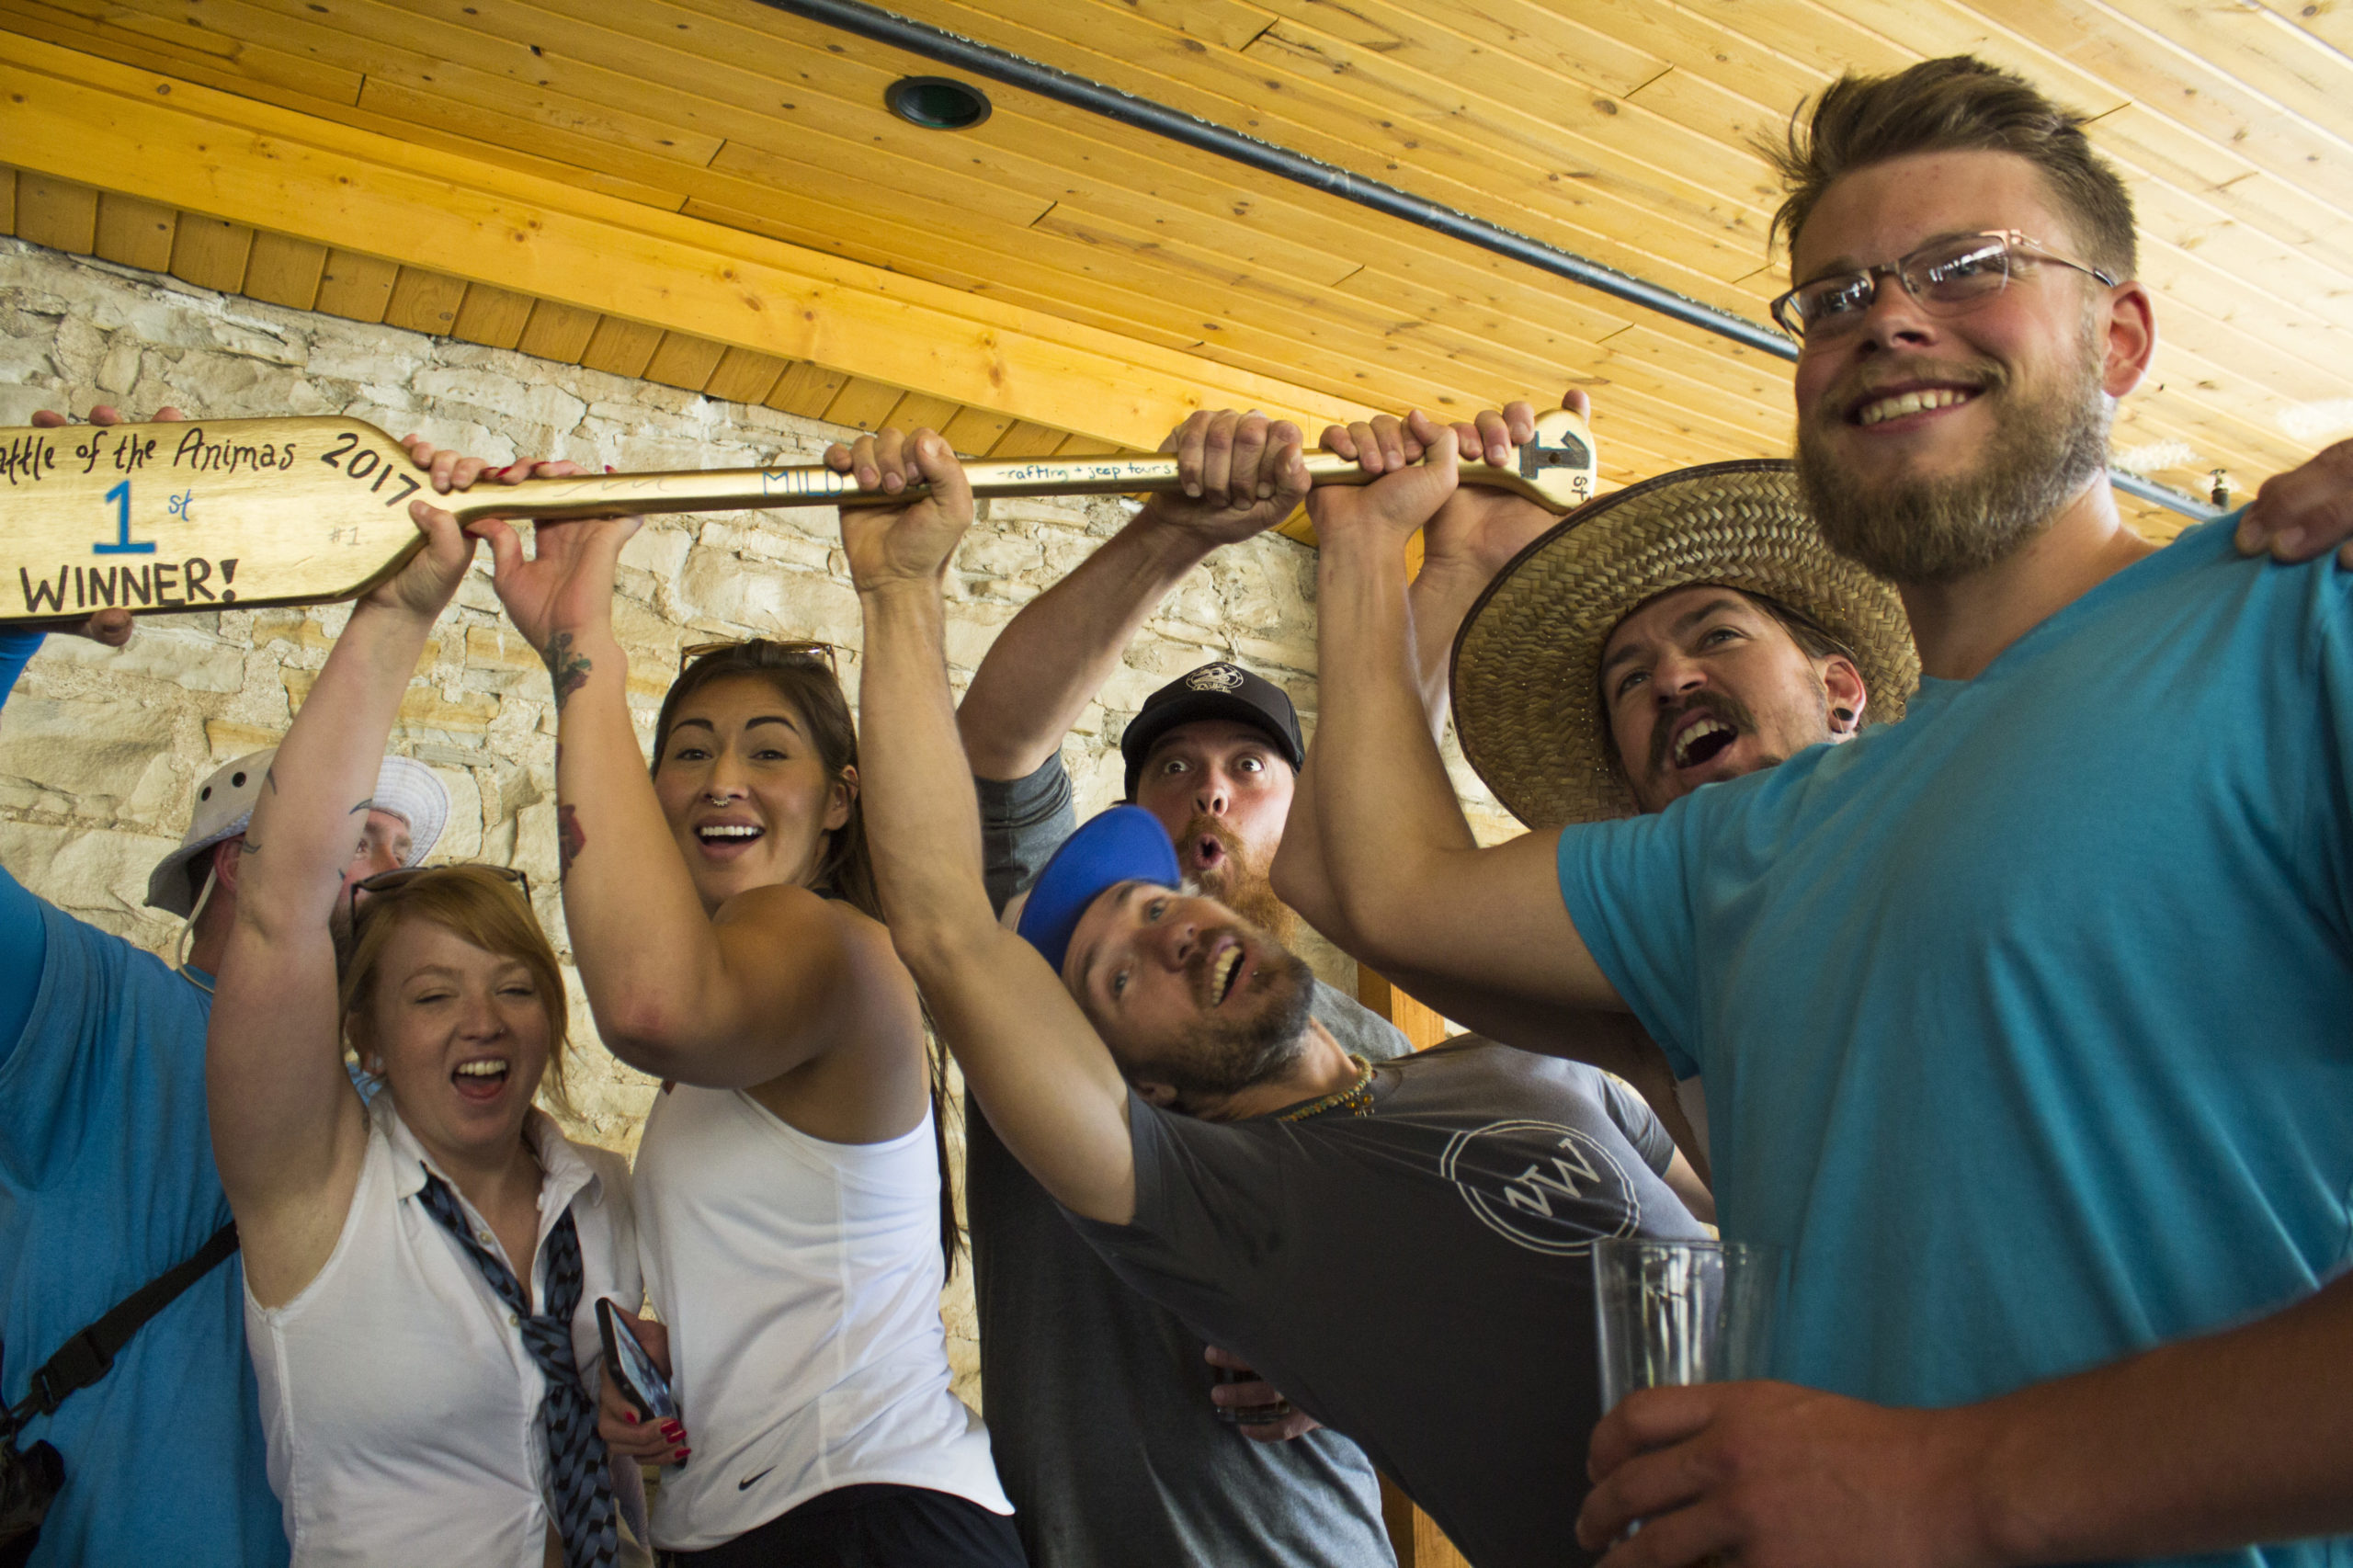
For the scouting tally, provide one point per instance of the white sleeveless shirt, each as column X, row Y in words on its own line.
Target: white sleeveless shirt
column 801, row 1283
column 400, row 1405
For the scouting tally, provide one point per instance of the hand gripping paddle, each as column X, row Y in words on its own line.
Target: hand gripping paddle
column 164, row 519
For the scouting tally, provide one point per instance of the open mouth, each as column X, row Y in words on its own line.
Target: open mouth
column 1224, row 971
column 1208, row 853
column 481, row 1079
column 1879, row 409
column 728, row 835
column 1702, row 743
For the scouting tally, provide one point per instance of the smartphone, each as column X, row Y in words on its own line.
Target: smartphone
column 640, row 1381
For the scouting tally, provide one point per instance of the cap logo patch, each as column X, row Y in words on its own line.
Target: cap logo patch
column 1214, row 677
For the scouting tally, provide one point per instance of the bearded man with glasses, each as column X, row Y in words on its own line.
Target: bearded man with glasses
column 2024, row 1020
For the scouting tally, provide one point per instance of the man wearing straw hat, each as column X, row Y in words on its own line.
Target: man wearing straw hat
column 107, row 1184
column 1712, row 585
column 2024, row 1019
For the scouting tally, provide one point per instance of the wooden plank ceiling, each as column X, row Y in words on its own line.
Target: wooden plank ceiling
column 304, row 275
column 1618, row 130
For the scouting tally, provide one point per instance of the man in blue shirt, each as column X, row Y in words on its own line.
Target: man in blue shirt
column 2024, row 1020
column 107, row 1181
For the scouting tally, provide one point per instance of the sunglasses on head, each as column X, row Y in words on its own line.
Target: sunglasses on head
column 401, row 877
column 812, row 649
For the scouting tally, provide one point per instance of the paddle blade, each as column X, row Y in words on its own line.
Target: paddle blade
column 166, row 518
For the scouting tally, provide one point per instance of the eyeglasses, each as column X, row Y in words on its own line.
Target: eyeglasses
column 400, row 877
column 1947, row 276
column 824, row 651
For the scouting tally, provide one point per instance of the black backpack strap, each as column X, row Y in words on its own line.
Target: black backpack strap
column 85, row 1358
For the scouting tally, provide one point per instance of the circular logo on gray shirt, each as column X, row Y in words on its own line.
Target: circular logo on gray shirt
column 1541, row 1185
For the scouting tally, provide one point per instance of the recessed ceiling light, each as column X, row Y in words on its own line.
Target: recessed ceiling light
column 936, row 103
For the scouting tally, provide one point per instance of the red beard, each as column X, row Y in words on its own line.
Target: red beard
column 1235, row 880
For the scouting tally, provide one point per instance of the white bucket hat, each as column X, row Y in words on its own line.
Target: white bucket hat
column 224, row 804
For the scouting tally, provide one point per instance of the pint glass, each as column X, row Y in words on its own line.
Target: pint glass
column 1671, row 1312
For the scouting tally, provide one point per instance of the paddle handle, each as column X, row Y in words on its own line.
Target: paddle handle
column 732, row 489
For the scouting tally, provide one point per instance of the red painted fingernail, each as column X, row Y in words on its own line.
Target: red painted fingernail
column 673, row 1431
column 629, row 1417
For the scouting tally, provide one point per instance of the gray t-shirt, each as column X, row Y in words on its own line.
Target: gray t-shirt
column 1097, row 1399
column 1419, row 1278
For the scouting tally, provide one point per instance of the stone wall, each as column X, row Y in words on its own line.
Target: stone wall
column 100, row 749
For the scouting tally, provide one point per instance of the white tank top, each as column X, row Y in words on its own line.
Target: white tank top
column 400, row 1405
column 801, row 1283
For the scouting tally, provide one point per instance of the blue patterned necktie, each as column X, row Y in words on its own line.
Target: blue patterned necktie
column 583, row 1488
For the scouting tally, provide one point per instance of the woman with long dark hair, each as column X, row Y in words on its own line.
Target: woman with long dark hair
column 789, row 1187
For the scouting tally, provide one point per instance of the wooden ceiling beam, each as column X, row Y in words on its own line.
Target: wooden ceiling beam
column 77, row 118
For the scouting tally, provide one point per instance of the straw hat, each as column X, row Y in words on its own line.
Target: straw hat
column 1527, row 661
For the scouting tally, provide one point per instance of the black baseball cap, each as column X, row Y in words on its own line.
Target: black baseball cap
column 1214, row 691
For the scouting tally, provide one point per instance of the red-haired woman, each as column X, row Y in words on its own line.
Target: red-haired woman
column 421, row 1278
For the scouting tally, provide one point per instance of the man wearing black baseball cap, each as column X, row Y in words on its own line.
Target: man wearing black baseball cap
column 1212, row 756
column 1197, row 759
column 1217, row 691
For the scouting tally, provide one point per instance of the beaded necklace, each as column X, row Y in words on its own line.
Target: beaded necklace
column 1357, row 1097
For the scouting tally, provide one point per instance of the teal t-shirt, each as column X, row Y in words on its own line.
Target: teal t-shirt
column 106, row 1181
column 2028, row 1023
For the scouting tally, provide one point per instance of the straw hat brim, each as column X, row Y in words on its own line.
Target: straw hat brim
column 1527, row 668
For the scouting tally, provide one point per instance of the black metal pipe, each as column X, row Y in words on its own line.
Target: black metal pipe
column 1080, row 92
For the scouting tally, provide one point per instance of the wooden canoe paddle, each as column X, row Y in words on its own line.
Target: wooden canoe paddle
column 166, row 518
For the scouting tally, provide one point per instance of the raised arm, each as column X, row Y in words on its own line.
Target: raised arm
column 1407, row 885
column 288, row 1131
column 1476, row 532
column 1245, row 475
column 1045, row 1080
column 777, row 976
column 24, row 944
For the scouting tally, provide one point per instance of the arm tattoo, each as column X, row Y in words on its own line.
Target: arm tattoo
column 367, row 805
column 567, row 669
column 569, row 840
column 247, row 846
